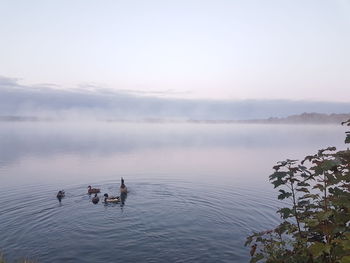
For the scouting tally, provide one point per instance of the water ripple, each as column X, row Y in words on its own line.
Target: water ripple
column 172, row 218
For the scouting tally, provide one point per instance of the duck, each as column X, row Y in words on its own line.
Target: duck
column 60, row 195
column 123, row 188
column 111, row 199
column 93, row 190
column 95, row 199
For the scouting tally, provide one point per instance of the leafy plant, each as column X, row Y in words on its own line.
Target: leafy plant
column 316, row 223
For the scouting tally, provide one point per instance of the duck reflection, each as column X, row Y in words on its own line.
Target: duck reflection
column 123, row 197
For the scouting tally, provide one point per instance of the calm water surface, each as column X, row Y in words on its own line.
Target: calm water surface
column 196, row 190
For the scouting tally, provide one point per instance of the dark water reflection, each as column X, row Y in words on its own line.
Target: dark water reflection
column 196, row 191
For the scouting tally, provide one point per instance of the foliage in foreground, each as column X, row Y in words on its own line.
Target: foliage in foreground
column 316, row 222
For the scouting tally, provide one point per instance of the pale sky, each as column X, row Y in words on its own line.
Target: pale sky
column 219, row 49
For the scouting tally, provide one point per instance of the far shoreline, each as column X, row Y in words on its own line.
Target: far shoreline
column 305, row 118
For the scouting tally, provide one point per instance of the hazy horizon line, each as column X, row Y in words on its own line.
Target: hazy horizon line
column 44, row 100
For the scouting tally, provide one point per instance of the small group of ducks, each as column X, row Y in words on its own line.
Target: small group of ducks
column 96, row 199
column 107, row 199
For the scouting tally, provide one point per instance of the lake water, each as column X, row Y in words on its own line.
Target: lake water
column 195, row 190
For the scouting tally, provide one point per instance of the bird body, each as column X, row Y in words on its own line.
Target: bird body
column 95, row 199
column 123, row 188
column 111, row 199
column 93, row 190
column 60, row 195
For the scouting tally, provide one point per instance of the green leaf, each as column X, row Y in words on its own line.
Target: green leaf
column 278, row 183
column 321, row 152
column 303, row 189
column 248, row 241
column 317, row 249
column 329, row 164
column 303, row 184
column 308, row 158
column 347, row 139
column 345, row 259
column 346, row 122
column 312, row 196
column 285, row 212
column 303, row 203
column 312, row 222
column 345, row 244
column 284, row 194
column 323, row 215
column 319, row 186
column 278, row 175
column 257, row 257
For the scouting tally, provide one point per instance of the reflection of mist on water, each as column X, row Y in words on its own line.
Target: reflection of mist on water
column 74, row 153
column 18, row 140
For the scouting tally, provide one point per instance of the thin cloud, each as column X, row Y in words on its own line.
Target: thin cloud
column 8, row 82
column 103, row 89
column 155, row 92
column 93, row 101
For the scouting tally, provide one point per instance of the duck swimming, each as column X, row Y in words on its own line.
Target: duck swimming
column 95, row 199
column 123, row 188
column 60, row 195
column 93, row 190
column 111, row 199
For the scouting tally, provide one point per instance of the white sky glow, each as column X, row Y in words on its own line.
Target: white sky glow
column 222, row 49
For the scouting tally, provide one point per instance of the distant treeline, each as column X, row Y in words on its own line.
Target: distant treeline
column 311, row 118
column 318, row 118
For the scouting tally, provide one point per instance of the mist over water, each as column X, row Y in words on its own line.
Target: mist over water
column 196, row 190
column 82, row 103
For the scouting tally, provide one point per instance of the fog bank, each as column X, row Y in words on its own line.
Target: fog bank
column 55, row 102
